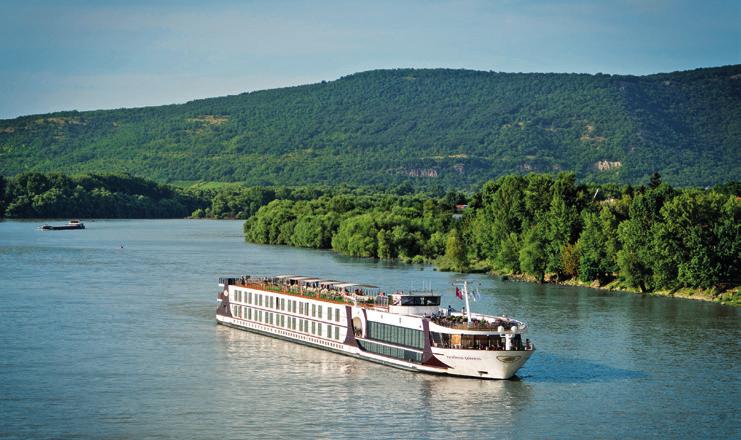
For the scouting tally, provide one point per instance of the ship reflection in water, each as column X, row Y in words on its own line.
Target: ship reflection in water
column 432, row 405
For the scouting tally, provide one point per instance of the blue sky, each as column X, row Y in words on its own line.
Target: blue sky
column 83, row 55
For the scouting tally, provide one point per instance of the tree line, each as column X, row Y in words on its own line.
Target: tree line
column 652, row 237
column 36, row 195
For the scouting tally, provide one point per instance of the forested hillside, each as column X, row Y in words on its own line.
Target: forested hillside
column 446, row 128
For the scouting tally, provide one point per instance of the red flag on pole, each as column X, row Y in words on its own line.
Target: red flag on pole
column 458, row 293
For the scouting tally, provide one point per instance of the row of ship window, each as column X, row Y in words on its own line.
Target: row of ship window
column 292, row 306
column 396, row 335
column 288, row 322
column 398, row 353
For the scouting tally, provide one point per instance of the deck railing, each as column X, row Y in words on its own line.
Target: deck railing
column 326, row 295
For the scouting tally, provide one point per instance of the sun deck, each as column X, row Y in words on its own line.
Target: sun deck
column 331, row 291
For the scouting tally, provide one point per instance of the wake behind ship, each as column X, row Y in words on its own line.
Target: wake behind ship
column 406, row 330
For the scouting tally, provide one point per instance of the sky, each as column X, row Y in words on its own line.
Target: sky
column 86, row 55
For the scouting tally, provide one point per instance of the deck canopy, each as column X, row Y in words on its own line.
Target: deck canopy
column 309, row 282
column 358, row 289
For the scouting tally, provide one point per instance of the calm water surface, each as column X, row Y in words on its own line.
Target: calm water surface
column 100, row 341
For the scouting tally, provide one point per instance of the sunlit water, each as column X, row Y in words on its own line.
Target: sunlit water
column 104, row 341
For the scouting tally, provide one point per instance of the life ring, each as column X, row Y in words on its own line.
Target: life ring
column 226, row 293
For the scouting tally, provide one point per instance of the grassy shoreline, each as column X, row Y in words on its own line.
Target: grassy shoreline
column 729, row 296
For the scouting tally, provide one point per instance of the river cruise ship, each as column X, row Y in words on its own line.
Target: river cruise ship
column 406, row 330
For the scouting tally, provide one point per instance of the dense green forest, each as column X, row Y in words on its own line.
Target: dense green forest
column 54, row 195
column 430, row 128
column 650, row 238
column 35, row 195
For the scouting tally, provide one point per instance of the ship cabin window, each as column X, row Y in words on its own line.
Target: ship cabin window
column 249, row 297
column 398, row 353
column 313, row 327
column 249, row 314
column 337, row 333
column 420, row 300
column 396, row 335
column 319, row 312
column 283, row 304
column 301, row 308
column 313, row 310
column 469, row 342
column 337, row 315
column 319, row 328
column 259, row 300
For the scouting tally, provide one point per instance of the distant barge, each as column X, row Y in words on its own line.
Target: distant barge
column 72, row 224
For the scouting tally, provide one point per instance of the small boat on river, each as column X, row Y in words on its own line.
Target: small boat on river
column 403, row 329
column 72, row 224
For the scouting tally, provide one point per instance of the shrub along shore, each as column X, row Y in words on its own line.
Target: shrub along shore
column 653, row 239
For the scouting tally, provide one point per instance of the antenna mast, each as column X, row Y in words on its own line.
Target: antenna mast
column 465, row 296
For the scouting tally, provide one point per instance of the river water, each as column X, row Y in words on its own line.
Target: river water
column 109, row 333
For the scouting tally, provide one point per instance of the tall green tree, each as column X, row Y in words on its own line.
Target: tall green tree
column 532, row 257
column 637, row 257
column 593, row 260
column 698, row 243
column 455, row 251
